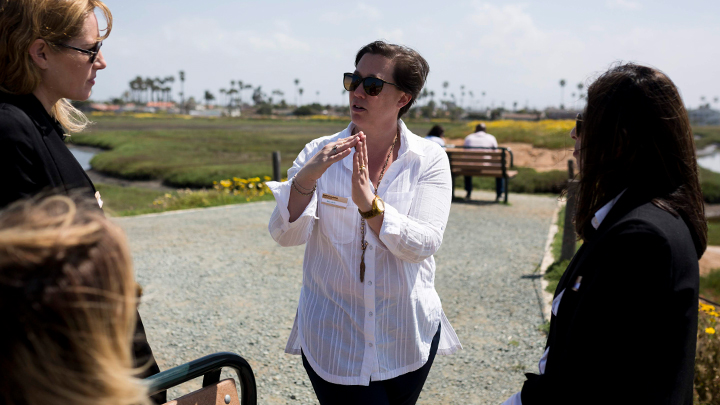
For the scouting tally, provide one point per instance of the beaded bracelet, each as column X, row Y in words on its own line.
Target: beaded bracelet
column 305, row 188
column 301, row 193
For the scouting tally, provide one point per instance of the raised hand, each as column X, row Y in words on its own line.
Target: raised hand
column 324, row 158
column 362, row 193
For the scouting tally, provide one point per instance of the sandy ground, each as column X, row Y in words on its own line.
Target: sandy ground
column 540, row 159
column 710, row 260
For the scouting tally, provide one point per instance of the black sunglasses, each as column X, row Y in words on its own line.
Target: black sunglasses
column 372, row 85
column 93, row 52
column 578, row 124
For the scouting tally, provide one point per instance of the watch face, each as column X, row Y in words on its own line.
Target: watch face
column 380, row 204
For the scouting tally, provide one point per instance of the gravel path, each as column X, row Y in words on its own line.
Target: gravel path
column 214, row 281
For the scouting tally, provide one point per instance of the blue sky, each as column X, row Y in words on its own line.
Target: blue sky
column 514, row 51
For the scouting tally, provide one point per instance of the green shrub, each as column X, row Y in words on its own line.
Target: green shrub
column 554, row 273
column 710, row 185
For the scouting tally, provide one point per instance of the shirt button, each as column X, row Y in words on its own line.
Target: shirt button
column 369, row 282
column 370, row 344
column 371, row 247
column 370, row 313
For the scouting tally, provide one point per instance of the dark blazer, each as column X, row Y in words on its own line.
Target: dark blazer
column 33, row 159
column 628, row 334
column 33, row 156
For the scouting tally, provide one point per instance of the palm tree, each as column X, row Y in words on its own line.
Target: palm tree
column 483, row 100
column 297, row 83
column 462, row 95
column 181, row 75
column 445, row 86
column 300, row 91
column 317, row 97
column 210, row 97
column 223, row 92
column 562, row 93
column 515, row 106
column 580, row 87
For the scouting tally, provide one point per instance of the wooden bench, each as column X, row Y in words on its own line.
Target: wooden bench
column 486, row 162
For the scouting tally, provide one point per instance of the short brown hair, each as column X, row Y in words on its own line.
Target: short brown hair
column 636, row 133
column 68, row 301
column 411, row 69
column 24, row 21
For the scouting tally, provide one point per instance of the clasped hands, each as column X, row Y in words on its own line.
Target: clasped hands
column 362, row 193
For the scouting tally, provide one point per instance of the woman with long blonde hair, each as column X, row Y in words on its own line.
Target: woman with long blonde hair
column 68, row 304
column 49, row 54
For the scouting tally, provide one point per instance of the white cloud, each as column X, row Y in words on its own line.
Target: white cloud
column 623, row 4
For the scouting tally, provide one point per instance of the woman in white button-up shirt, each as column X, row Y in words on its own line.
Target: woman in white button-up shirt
column 370, row 340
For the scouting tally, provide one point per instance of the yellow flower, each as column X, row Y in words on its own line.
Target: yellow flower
column 710, row 331
column 267, row 178
column 225, row 183
column 713, row 313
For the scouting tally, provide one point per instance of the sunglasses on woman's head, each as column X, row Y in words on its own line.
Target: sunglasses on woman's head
column 372, row 85
column 93, row 52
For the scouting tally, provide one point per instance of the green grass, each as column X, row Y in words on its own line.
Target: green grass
column 126, row 201
column 195, row 152
column 707, row 135
column 710, row 285
column 714, row 231
column 122, row 201
column 527, row 181
column 557, row 269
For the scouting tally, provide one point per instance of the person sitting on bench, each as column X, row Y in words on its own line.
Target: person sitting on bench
column 481, row 139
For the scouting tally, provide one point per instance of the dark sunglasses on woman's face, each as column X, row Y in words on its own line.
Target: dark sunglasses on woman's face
column 372, row 85
column 578, row 124
column 93, row 52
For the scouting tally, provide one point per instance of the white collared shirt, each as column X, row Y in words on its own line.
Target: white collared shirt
column 597, row 219
column 353, row 332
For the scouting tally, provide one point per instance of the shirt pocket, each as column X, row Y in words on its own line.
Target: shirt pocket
column 339, row 224
column 400, row 200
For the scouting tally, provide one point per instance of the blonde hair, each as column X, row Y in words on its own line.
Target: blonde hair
column 55, row 21
column 68, row 301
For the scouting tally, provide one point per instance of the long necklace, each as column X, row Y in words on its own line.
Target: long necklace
column 364, row 244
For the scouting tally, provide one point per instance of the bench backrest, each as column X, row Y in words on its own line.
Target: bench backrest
column 487, row 161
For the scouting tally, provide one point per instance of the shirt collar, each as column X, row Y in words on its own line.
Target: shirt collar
column 409, row 142
column 602, row 213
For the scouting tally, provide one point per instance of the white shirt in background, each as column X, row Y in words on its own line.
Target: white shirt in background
column 351, row 332
column 438, row 140
column 481, row 139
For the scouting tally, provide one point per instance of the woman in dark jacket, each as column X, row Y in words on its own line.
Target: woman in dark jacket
column 49, row 54
column 624, row 321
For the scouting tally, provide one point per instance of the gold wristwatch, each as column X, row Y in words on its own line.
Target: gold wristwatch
column 378, row 207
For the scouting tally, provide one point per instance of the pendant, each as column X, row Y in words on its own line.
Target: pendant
column 362, row 267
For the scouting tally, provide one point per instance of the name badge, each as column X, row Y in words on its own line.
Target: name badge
column 334, row 201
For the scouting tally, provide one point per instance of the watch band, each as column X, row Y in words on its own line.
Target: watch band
column 374, row 211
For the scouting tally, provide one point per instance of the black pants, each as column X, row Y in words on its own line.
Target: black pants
column 499, row 186
column 401, row 390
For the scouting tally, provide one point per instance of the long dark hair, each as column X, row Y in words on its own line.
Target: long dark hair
column 636, row 134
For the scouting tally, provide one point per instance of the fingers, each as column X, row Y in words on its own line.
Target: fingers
column 356, row 163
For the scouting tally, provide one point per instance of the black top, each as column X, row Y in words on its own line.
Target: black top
column 33, row 159
column 628, row 334
column 33, row 156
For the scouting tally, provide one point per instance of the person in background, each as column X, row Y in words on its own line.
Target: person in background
column 624, row 318
column 371, row 204
column 68, row 304
column 437, row 135
column 481, row 139
column 50, row 54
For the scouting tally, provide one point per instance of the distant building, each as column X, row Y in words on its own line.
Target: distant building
column 521, row 116
column 704, row 116
column 558, row 114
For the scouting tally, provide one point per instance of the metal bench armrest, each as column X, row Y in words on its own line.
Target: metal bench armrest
column 206, row 365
